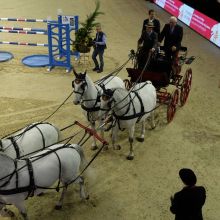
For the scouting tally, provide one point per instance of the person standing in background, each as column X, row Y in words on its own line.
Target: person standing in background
column 152, row 19
column 187, row 204
column 172, row 34
column 99, row 48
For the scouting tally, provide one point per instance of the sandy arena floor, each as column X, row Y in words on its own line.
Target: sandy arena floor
column 120, row 189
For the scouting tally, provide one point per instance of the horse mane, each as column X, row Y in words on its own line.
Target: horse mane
column 89, row 80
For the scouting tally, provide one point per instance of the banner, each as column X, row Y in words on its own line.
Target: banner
column 207, row 27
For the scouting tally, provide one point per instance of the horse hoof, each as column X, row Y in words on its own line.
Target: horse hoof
column 129, row 157
column 87, row 197
column 153, row 127
column 7, row 213
column 139, row 139
column 105, row 148
column 41, row 194
column 58, row 207
column 94, row 147
column 117, row 147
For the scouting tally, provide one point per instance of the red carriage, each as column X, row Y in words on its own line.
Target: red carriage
column 162, row 74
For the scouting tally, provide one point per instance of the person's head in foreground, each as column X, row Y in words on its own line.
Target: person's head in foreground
column 188, row 177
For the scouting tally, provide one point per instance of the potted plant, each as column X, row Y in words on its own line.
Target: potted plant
column 83, row 39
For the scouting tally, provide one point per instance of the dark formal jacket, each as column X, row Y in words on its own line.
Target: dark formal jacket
column 187, row 203
column 156, row 23
column 99, row 40
column 171, row 39
column 149, row 40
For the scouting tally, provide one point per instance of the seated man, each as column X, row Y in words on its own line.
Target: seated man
column 149, row 40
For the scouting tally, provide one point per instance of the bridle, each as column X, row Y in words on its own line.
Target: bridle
column 109, row 101
column 83, row 87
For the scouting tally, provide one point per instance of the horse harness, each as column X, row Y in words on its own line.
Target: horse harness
column 14, row 143
column 32, row 186
column 95, row 107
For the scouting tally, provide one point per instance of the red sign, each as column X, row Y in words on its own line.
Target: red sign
column 207, row 27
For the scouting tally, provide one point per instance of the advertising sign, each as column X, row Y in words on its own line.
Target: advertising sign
column 207, row 27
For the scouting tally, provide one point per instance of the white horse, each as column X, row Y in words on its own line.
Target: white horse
column 128, row 108
column 30, row 139
column 58, row 162
column 88, row 94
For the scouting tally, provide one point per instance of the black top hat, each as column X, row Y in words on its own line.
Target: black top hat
column 188, row 176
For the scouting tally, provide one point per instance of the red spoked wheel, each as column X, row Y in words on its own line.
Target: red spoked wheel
column 171, row 108
column 186, row 86
column 128, row 84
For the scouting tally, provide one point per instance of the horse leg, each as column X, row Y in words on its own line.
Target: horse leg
column 94, row 146
column 60, row 202
column 114, row 138
column 101, row 122
column 153, row 124
column 141, row 138
column 21, row 208
column 83, row 194
column 131, row 139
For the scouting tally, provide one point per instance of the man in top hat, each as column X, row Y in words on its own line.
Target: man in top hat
column 187, row 203
column 147, row 43
column 152, row 19
column 172, row 34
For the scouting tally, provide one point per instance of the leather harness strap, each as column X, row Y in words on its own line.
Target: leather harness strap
column 42, row 135
column 15, row 145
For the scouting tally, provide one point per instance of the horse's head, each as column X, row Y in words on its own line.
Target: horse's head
column 79, row 85
column 106, row 99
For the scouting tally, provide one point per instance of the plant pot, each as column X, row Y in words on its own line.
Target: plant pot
column 83, row 48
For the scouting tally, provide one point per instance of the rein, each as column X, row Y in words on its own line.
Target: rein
column 14, row 138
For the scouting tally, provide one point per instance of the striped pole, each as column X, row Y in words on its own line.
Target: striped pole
column 23, row 32
column 26, row 20
column 22, row 29
column 23, row 43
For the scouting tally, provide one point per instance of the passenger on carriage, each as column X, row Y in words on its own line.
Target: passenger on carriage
column 152, row 19
column 147, row 43
column 172, row 34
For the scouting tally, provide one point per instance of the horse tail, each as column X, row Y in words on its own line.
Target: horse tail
column 89, row 172
column 79, row 149
column 58, row 133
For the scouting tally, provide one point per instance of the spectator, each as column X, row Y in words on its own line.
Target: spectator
column 187, row 203
column 99, row 48
column 172, row 34
column 149, row 40
column 155, row 21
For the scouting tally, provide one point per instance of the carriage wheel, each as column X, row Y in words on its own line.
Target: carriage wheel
column 128, row 84
column 171, row 108
column 186, row 86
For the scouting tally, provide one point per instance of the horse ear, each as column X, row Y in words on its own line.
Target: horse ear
column 75, row 73
column 85, row 72
column 102, row 86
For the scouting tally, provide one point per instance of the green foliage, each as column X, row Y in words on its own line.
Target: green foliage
column 83, row 35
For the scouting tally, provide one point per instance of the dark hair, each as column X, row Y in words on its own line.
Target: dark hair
column 188, row 176
column 151, row 10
